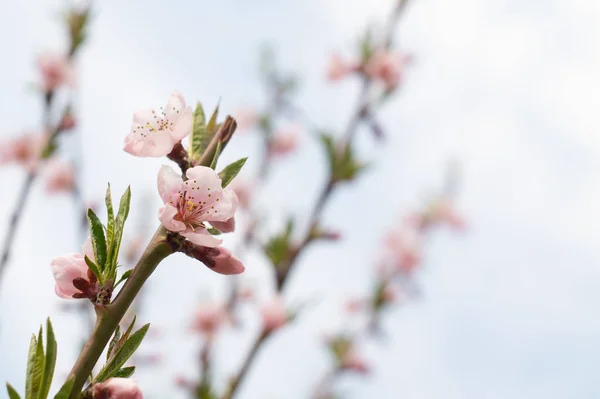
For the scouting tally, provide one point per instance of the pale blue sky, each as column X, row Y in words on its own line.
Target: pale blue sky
column 509, row 310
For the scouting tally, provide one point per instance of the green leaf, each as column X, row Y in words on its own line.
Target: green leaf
column 121, row 340
column 113, row 342
column 50, row 361
column 65, row 390
column 94, row 268
column 115, row 364
column 213, row 164
column 125, row 372
column 214, row 231
column 197, row 139
column 38, row 368
column 110, row 225
column 30, row 367
column 98, row 239
column 124, row 277
column 212, row 123
column 122, row 214
column 231, row 171
column 277, row 248
column 12, row 393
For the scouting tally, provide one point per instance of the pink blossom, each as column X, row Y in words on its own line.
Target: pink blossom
column 208, row 318
column 246, row 118
column 69, row 267
column 388, row 67
column 189, row 204
column 404, row 246
column 117, row 388
column 60, row 176
column 354, row 305
column 243, row 190
column 68, row 121
column 443, row 211
column 227, row 226
column 352, row 361
column 284, row 140
column 274, row 315
column 25, row 150
column 154, row 134
column 56, row 71
column 338, row 68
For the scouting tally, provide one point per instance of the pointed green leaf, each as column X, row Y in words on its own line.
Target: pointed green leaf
column 125, row 372
column 231, row 171
column 115, row 364
column 65, row 390
column 197, row 139
column 12, row 393
column 124, row 277
column 214, row 231
column 211, row 127
column 98, row 239
column 30, row 366
column 110, row 225
column 122, row 214
column 113, row 342
column 38, row 367
column 94, row 268
column 213, row 164
column 124, row 337
column 50, row 361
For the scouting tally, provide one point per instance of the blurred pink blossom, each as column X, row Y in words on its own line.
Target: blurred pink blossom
column 154, row 134
column 352, row 361
column 189, row 204
column 246, row 118
column 285, row 140
column 69, row 267
column 56, row 71
column 60, row 176
column 404, row 248
column 388, row 67
column 443, row 211
column 244, row 191
column 354, row 305
column 337, row 68
column 274, row 315
column 25, row 150
column 208, row 318
column 117, row 388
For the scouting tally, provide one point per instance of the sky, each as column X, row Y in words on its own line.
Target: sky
column 508, row 88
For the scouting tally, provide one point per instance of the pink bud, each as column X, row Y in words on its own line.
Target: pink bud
column 284, row 141
column 387, row 67
column 227, row 263
column 274, row 314
column 338, row 68
column 227, row 226
column 55, row 70
column 246, row 118
column 60, row 177
column 117, row 388
column 404, row 247
column 352, row 361
column 25, row 150
column 208, row 319
column 67, row 122
column 70, row 269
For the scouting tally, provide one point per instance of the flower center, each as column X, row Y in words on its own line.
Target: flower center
column 189, row 213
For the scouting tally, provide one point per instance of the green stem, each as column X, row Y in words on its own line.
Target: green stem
column 109, row 317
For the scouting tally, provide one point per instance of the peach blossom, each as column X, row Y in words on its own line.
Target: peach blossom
column 274, row 315
column 25, row 150
column 154, row 134
column 69, row 267
column 60, row 176
column 284, row 140
column 404, row 248
column 388, row 67
column 56, row 71
column 208, row 318
column 117, row 388
column 337, row 68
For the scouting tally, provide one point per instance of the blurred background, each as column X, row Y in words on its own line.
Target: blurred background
column 508, row 88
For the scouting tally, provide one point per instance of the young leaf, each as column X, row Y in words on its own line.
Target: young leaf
column 50, row 361
column 98, row 239
column 124, row 205
column 12, row 393
column 125, row 372
column 30, row 366
column 65, row 390
column 197, row 139
column 110, row 225
column 121, row 341
column 213, row 164
column 38, row 368
column 214, row 231
column 231, row 171
column 124, row 277
column 94, row 268
column 115, row 364
column 113, row 342
column 212, row 123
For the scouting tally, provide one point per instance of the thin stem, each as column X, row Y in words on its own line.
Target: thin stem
column 246, row 366
column 14, row 221
column 109, row 317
